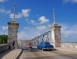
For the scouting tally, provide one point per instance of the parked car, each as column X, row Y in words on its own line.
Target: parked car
column 45, row 46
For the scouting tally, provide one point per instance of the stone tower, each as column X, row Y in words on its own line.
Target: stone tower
column 55, row 30
column 56, row 35
column 12, row 31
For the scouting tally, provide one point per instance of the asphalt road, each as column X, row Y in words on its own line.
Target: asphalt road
column 38, row 54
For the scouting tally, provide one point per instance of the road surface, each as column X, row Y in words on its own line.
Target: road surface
column 56, row 54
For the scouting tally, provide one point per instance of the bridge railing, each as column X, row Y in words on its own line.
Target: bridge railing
column 45, row 37
column 69, row 44
column 4, row 47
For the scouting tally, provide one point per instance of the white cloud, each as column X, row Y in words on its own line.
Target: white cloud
column 16, row 16
column 30, row 32
column 43, row 20
column 21, row 35
column 3, row 0
column 49, row 25
column 27, row 34
column 37, row 15
column 4, row 27
column 26, row 28
column 69, row 32
column 72, row 1
column 33, row 22
column 41, row 27
column 25, row 12
column 4, row 30
column 27, row 20
column 5, row 11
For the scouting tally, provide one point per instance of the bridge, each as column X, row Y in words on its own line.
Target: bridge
column 53, row 36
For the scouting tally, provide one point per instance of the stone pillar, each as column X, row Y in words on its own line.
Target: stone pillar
column 55, row 30
column 12, row 32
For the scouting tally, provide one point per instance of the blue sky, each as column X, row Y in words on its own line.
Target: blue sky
column 36, row 16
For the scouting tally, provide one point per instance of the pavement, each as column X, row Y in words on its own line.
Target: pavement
column 14, row 54
column 67, row 49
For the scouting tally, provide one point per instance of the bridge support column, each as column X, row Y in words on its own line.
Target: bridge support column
column 55, row 31
column 12, row 33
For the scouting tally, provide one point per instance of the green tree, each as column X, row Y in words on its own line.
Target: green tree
column 3, row 39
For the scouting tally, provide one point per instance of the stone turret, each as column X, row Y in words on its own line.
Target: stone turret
column 12, row 31
column 55, row 30
column 56, row 35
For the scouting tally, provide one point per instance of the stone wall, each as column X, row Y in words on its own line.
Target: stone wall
column 4, row 47
column 69, row 45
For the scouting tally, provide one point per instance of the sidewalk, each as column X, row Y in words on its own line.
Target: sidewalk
column 67, row 49
column 14, row 54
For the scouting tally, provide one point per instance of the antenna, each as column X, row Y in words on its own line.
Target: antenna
column 14, row 10
column 54, row 16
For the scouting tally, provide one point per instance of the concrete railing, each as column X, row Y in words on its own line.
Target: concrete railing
column 4, row 47
column 69, row 44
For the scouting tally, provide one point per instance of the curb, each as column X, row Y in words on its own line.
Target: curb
column 19, row 54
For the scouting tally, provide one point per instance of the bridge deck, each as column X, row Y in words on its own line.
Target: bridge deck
column 56, row 54
column 60, row 53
